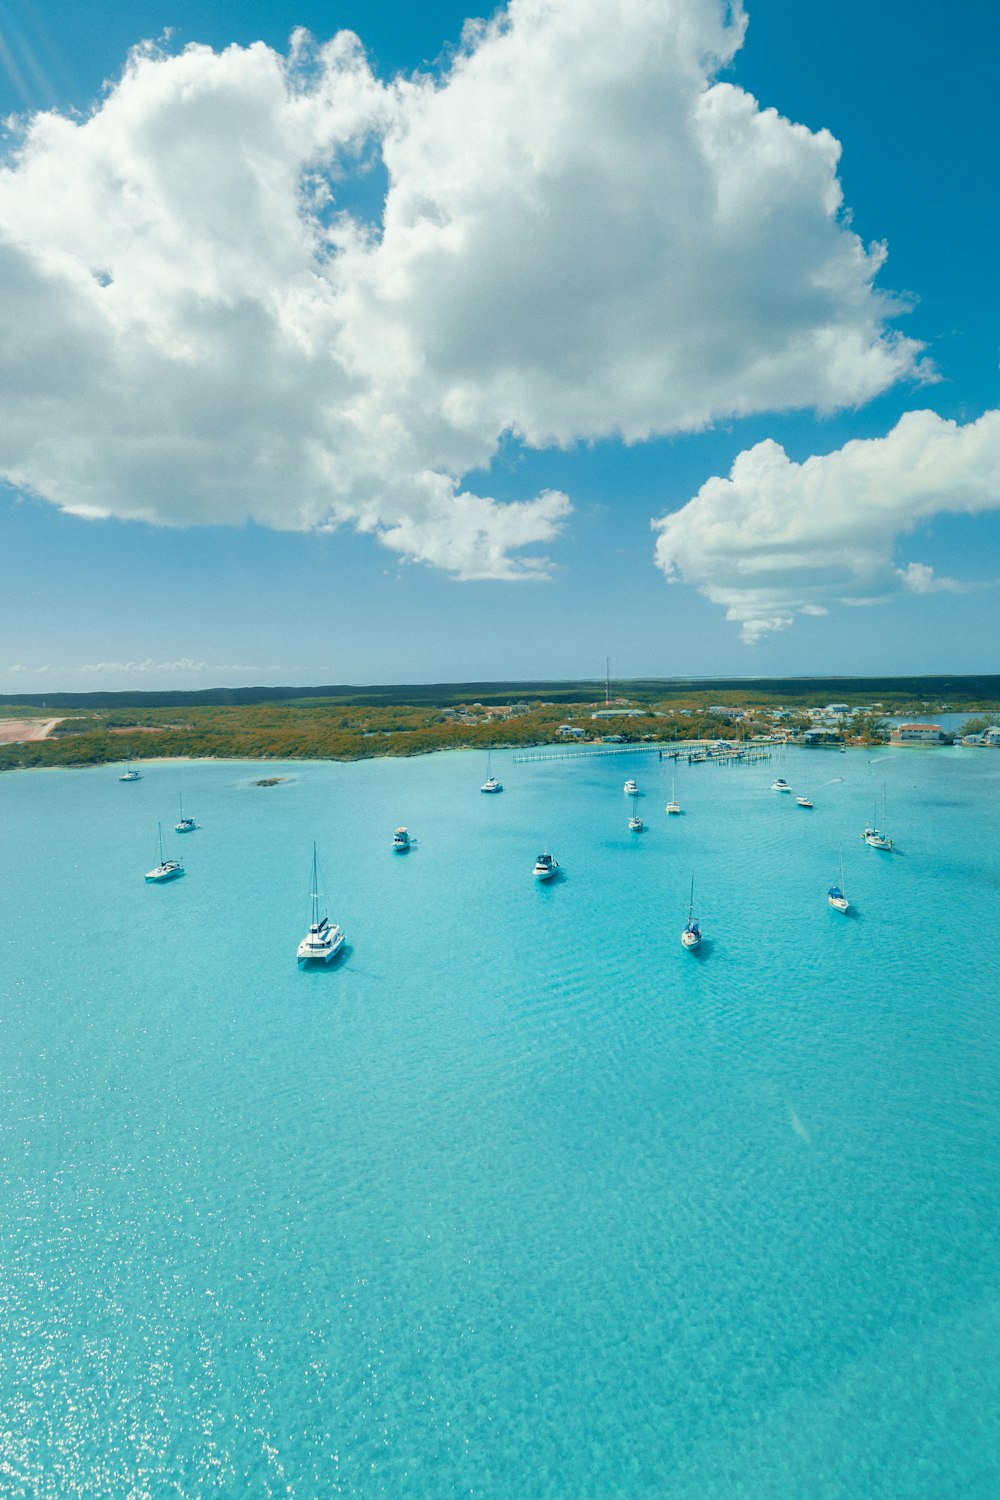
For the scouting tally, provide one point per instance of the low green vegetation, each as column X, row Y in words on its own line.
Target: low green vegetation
column 352, row 724
column 978, row 723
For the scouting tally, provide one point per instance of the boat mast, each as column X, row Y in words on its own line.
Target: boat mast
column 315, row 889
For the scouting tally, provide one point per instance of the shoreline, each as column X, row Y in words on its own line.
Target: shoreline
column 563, row 751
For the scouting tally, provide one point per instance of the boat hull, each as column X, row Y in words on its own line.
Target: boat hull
column 319, row 954
column 169, row 871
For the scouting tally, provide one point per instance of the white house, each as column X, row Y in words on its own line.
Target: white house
column 916, row 734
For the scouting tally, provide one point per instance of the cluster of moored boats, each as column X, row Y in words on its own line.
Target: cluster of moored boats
column 873, row 836
column 325, row 939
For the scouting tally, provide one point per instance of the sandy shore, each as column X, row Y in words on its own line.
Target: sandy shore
column 16, row 731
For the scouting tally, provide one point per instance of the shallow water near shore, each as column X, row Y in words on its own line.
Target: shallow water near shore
column 516, row 1199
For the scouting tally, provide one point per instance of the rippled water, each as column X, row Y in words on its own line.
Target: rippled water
column 518, row 1199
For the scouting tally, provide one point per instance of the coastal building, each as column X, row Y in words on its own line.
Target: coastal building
column 917, row 734
column 570, row 732
column 619, row 713
column 989, row 736
column 822, row 734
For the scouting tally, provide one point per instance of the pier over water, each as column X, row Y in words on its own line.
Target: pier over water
column 693, row 751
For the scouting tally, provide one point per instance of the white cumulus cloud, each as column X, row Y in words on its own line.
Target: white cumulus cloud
column 584, row 233
column 778, row 538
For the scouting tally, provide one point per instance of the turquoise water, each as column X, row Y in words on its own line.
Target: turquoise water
column 517, row 1199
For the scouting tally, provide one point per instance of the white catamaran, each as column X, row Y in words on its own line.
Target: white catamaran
column 324, row 939
column 491, row 784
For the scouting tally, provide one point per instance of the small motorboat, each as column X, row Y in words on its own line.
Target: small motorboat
column 803, row 802
column 401, row 841
column 779, row 784
column 631, row 788
column 545, row 867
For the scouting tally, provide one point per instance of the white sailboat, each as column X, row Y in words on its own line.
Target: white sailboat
column 183, row 824
column 167, row 869
column 673, row 806
column 635, row 822
column 875, row 837
column 691, row 936
column 324, row 939
column 836, row 895
column 491, row 784
column 129, row 773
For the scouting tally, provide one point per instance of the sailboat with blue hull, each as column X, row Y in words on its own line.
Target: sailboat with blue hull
column 836, row 895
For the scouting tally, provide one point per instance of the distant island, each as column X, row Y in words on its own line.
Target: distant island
column 354, row 723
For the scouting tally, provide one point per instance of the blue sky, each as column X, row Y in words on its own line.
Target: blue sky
column 251, row 431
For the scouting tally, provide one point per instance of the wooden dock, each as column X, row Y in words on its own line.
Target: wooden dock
column 693, row 751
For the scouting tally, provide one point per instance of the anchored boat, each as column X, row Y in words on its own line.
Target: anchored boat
column 324, row 939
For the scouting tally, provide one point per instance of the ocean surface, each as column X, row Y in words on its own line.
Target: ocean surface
column 518, row 1199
